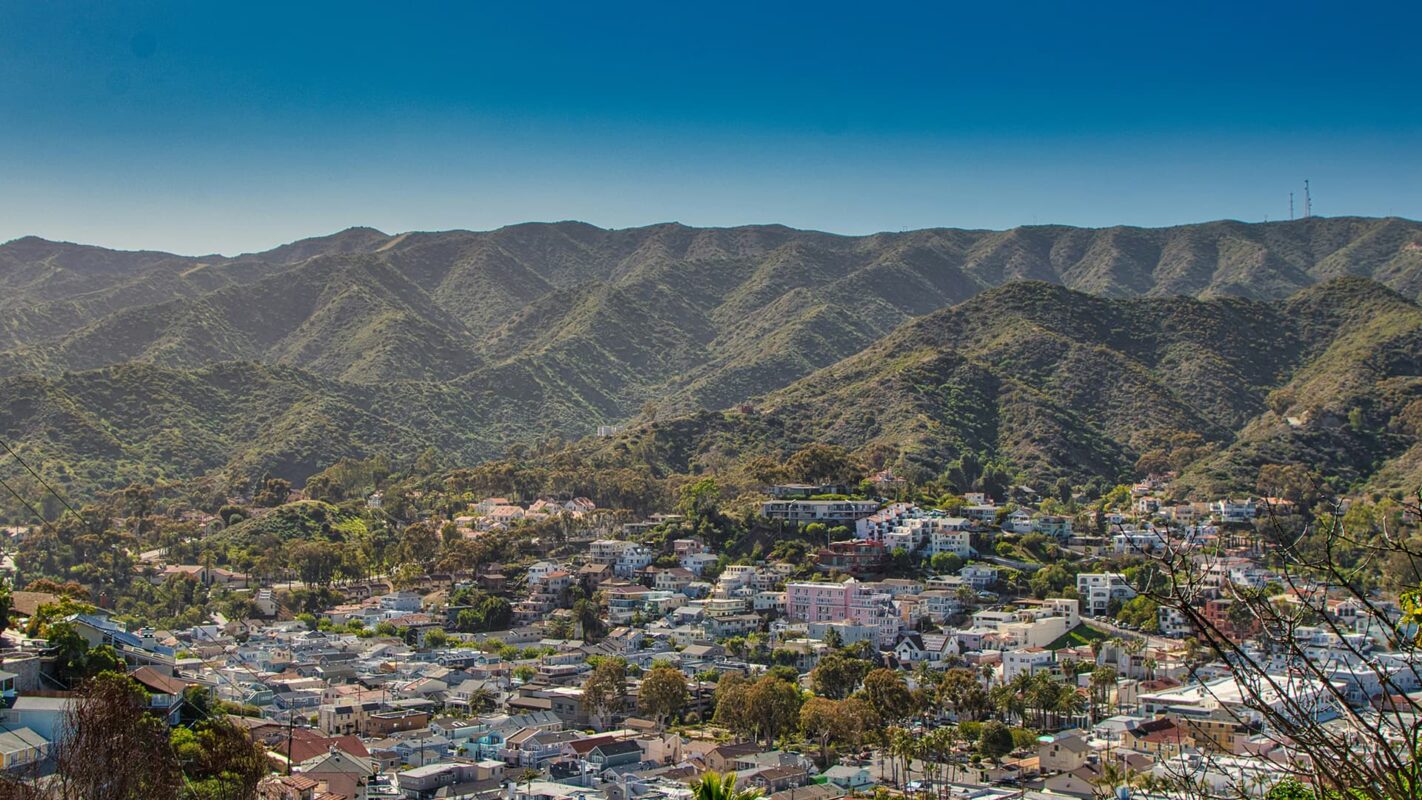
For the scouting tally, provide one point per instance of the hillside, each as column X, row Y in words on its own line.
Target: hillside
column 1060, row 383
column 695, row 317
column 120, row 364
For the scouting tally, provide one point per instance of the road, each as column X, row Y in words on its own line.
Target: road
column 1162, row 642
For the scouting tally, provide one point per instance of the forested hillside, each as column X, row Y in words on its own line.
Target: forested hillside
column 1206, row 349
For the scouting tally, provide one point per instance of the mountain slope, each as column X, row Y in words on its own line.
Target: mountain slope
column 896, row 340
column 1060, row 383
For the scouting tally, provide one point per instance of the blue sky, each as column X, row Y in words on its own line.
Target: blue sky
column 202, row 127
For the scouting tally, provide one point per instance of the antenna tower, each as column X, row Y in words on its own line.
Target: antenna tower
column 1291, row 206
column 1308, row 201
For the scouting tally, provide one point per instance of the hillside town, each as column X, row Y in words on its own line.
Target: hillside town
column 987, row 647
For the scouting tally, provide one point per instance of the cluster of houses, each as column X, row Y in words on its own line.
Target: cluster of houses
column 498, row 513
column 346, row 715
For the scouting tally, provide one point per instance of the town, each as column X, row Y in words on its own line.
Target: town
column 989, row 645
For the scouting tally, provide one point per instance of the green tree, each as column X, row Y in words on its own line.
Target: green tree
column 995, row 740
column 219, row 760
column 824, row 463
column 663, row 693
column 816, row 532
column 272, row 492
column 605, row 687
column 6, row 604
column 838, row 675
column 587, row 619
column 946, row 563
column 699, row 498
column 713, row 785
column 775, row 707
column 1141, row 612
column 887, row 694
column 825, row 721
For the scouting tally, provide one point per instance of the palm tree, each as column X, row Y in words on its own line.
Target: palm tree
column 902, row 745
column 1103, row 680
column 1069, row 705
column 1006, row 701
column 713, row 785
column 482, row 699
column 527, row 777
column 1113, row 775
column 939, row 746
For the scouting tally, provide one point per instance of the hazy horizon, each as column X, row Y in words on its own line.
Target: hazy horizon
column 394, row 233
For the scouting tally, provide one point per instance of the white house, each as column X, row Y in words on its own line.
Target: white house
column 1096, row 590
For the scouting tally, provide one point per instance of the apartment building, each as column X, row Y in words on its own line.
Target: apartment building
column 1096, row 590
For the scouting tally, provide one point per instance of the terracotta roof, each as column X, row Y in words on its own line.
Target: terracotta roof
column 310, row 748
column 584, row 746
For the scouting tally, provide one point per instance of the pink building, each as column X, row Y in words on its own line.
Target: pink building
column 850, row 601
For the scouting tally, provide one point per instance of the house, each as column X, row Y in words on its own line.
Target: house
column 829, row 512
column 773, row 779
column 343, row 773
column 1027, row 660
column 624, row 557
column 614, row 754
column 853, row 557
column 43, row 715
column 100, row 630
column 20, row 747
column 979, row 576
column 848, row 778
column 531, row 747
column 303, row 744
column 433, row 780
column 287, row 787
column 726, row 757
column 1063, row 752
column 422, row 750
column 1161, row 737
column 1018, row 521
column 388, row 722
column 1232, row 512
column 1097, row 591
column 165, row 693
column 345, row 717
column 886, row 482
column 672, row 579
column 401, row 602
column 914, row 647
column 1053, row 525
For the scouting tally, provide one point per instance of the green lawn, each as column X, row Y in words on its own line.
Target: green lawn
column 1079, row 636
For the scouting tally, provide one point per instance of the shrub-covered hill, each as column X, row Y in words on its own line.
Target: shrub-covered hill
column 1059, row 383
column 1206, row 348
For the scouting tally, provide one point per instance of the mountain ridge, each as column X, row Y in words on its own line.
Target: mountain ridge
column 550, row 329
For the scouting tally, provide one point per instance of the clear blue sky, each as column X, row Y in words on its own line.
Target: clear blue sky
column 201, row 127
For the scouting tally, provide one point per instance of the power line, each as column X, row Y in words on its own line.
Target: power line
column 26, row 503
column 41, row 479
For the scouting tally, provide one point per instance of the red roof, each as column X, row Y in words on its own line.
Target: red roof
column 306, row 745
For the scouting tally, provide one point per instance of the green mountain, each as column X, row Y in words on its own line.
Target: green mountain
column 1190, row 345
column 1061, row 383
